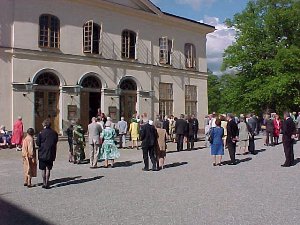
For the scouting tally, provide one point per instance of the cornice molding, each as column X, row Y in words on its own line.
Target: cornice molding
column 98, row 60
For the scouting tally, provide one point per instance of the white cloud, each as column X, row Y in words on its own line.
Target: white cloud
column 217, row 42
column 195, row 4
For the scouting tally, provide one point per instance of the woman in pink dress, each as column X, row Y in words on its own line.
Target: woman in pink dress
column 17, row 135
column 277, row 127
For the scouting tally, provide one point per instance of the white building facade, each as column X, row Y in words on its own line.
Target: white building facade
column 64, row 59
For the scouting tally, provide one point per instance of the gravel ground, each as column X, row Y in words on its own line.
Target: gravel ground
column 189, row 191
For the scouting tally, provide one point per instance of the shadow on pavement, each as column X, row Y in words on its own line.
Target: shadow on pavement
column 260, row 150
column 296, row 161
column 126, row 164
column 63, row 180
column 185, row 150
column 72, row 181
column 13, row 215
column 238, row 161
column 176, row 164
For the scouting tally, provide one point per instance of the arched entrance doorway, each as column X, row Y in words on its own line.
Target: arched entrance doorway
column 46, row 100
column 90, row 99
column 128, row 98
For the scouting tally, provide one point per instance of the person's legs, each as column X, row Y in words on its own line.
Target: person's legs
column 112, row 162
column 188, row 143
column 92, row 153
column 181, row 139
column 178, row 142
column 195, row 136
column 272, row 138
column 219, row 159
column 153, row 158
column 267, row 137
column 120, row 141
column 29, row 181
column 145, row 157
column 106, row 163
column 47, row 177
column 232, row 149
column 214, row 160
column 124, row 140
column 44, row 178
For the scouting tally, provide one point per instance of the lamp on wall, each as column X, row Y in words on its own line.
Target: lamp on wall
column 72, row 90
column 151, row 94
column 29, row 85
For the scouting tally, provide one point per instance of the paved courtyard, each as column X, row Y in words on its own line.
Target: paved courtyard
column 189, row 191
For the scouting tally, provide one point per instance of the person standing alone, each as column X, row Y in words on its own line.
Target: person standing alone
column 288, row 130
column 232, row 137
column 94, row 131
column 47, row 143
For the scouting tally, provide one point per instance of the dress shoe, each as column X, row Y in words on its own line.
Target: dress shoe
column 25, row 184
column 285, row 165
column 145, row 169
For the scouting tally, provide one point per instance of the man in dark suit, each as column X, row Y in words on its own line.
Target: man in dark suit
column 232, row 136
column 288, row 130
column 180, row 130
column 251, row 125
column 195, row 125
column 149, row 139
column 47, row 142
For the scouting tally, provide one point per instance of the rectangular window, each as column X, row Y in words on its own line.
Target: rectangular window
column 165, row 50
column 91, row 37
column 129, row 39
column 49, row 31
column 190, row 56
column 190, row 100
column 165, row 99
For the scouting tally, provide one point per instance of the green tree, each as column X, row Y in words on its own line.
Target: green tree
column 266, row 55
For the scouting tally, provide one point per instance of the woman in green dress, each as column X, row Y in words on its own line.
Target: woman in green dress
column 109, row 150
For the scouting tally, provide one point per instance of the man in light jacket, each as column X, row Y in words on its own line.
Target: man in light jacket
column 94, row 131
column 122, row 127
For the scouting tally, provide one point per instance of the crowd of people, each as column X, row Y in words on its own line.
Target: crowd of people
column 221, row 132
column 229, row 131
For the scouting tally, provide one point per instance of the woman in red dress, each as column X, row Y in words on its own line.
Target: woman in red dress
column 17, row 135
column 277, row 127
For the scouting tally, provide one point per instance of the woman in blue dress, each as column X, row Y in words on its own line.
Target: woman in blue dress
column 109, row 150
column 217, row 144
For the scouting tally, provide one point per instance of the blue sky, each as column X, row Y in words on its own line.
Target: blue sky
column 213, row 12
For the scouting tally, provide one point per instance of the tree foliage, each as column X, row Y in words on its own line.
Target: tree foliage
column 266, row 56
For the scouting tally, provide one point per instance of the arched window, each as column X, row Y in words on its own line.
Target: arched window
column 47, row 79
column 190, row 55
column 91, row 82
column 49, row 31
column 129, row 44
column 91, row 37
column 128, row 85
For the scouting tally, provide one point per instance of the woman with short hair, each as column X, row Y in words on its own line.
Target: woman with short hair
column 217, row 144
column 243, row 136
column 109, row 150
column 161, row 145
column 29, row 158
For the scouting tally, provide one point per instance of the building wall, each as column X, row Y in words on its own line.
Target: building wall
column 70, row 64
column 27, row 28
